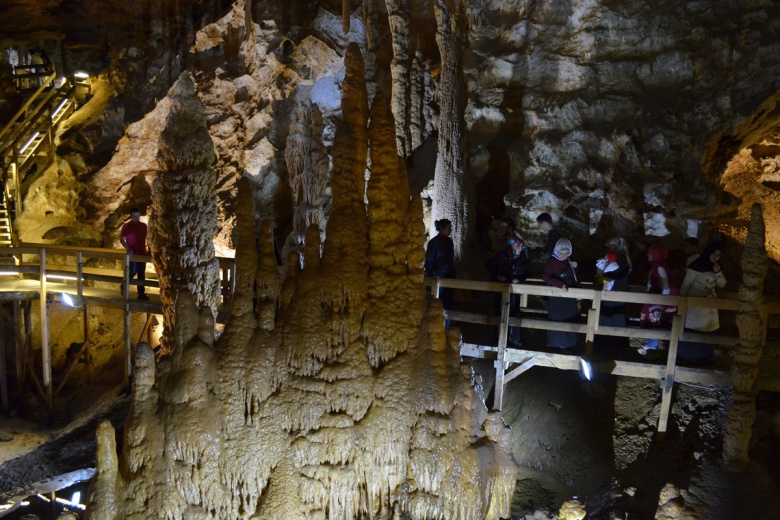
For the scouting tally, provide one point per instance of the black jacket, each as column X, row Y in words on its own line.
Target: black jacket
column 511, row 267
column 440, row 257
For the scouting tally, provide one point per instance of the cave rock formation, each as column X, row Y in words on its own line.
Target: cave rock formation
column 317, row 401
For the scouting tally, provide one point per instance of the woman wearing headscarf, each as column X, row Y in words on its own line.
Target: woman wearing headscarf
column 701, row 278
column 440, row 259
column 613, row 270
column 558, row 272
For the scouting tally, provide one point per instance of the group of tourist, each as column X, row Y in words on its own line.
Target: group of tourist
column 511, row 265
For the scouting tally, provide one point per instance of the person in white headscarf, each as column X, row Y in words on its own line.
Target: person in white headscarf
column 559, row 272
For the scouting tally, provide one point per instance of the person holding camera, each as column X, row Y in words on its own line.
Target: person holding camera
column 559, row 272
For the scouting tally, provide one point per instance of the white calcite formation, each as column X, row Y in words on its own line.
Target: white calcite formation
column 337, row 395
column 183, row 220
column 450, row 183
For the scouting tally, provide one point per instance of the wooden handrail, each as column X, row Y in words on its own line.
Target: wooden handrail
column 724, row 301
column 27, row 104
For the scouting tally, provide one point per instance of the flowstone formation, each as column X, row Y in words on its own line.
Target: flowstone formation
column 344, row 398
column 183, row 222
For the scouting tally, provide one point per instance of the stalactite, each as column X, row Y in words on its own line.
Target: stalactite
column 345, row 15
column 416, row 99
column 308, row 170
column 183, row 222
column 450, row 185
column 748, row 352
column 398, row 18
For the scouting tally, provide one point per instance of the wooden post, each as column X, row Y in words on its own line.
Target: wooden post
column 593, row 322
column 500, row 363
column 19, row 352
column 80, row 278
column 45, row 347
column 3, row 369
column 667, row 384
column 126, row 278
column 128, row 345
column 87, row 353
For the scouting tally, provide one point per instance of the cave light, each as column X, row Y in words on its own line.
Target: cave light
column 71, row 503
column 60, row 277
column 68, row 300
column 29, row 141
column 57, row 110
column 586, row 371
column 81, row 75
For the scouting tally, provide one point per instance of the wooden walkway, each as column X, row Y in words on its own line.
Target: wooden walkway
column 511, row 362
column 60, row 275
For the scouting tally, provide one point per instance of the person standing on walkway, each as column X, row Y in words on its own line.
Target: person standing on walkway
column 133, row 239
column 440, row 260
column 545, row 222
column 612, row 271
column 702, row 277
column 510, row 265
column 559, row 272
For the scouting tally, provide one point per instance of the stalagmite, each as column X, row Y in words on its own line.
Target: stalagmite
column 398, row 18
column 183, row 222
column 308, row 169
column 450, row 184
column 747, row 353
column 331, row 408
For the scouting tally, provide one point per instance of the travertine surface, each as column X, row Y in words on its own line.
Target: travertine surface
column 344, row 406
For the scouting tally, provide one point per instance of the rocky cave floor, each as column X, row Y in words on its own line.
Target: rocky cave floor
column 594, row 440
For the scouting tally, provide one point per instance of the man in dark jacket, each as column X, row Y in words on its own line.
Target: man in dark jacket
column 545, row 222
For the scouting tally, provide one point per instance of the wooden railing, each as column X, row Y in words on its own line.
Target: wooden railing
column 33, row 260
column 33, row 277
column 534, row 318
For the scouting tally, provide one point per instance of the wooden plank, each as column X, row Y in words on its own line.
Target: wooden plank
column 520, row 369
column 667, row 385
column 471, row 317
column 500, row 363
column 478, row 351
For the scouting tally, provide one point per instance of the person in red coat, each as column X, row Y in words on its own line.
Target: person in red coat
column 133, row 239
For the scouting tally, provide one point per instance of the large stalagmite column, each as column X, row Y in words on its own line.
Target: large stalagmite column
column 450, row 183
column 748, row 351
column 183, row 222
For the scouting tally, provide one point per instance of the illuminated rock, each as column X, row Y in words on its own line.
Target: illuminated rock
column 350, row 402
